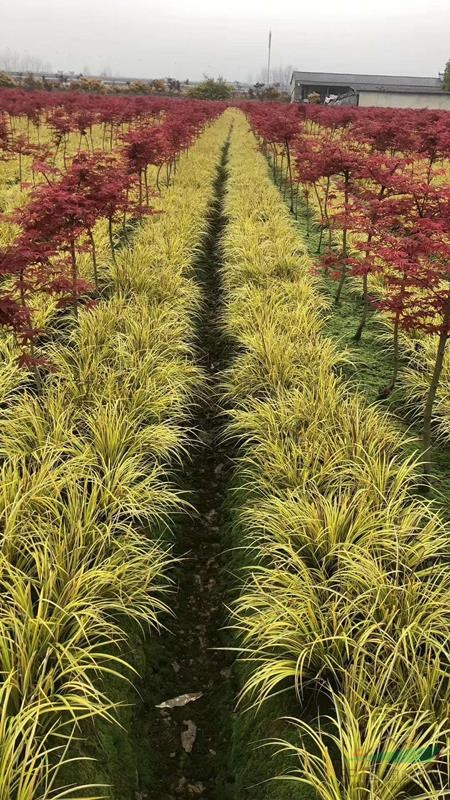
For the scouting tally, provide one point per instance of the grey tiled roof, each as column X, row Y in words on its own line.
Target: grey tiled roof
column 367, row 82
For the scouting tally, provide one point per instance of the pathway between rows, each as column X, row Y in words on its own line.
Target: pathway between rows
column 192, row 741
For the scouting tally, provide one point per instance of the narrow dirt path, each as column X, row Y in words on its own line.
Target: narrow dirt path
column 193, row 741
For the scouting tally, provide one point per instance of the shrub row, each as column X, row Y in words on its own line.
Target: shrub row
column 85, row 488
column 346, row 588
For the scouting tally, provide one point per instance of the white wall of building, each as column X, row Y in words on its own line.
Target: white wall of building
column 399, row 100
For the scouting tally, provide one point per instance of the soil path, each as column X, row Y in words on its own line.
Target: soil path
column 193, row 741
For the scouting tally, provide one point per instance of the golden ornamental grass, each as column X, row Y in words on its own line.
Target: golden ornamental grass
column 346, row 587
column 85, row 490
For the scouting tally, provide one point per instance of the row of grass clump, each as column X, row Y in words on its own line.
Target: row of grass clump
column 345, row 595
column 86, row 491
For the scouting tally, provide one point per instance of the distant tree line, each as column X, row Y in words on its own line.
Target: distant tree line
column 208, row 89
column 32, row 73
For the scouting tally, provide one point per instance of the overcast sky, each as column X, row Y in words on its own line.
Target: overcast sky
column 157, row 38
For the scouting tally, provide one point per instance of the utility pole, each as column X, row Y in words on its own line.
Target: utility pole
column 268, row 58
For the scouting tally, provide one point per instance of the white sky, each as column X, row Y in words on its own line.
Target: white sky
column 157, row 38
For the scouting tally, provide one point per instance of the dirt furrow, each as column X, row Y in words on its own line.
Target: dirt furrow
column 192, row 739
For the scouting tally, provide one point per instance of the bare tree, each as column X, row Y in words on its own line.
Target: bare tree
column 11, row 61
column 281, row 77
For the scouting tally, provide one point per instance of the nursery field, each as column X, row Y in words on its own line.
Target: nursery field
column 225, row 467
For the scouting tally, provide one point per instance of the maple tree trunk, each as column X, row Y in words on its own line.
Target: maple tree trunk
column 365, row 312
column 321, row 215
column 94, row 256
column 274, row 163
column 157, row 178
column 285, row 180
column 124, row 218
column 111, row 240
column 290, row 176
column 385, row 391
column 344, row 246
column 308, row 214
column 297, row 193
column 140, row 188
column 429, row 170
column 73, row 259
column 396, row 351
column 326, row 217
column 147, row 199
column 344, row 230
column 434, row 383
